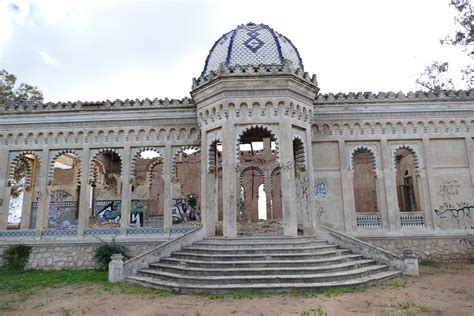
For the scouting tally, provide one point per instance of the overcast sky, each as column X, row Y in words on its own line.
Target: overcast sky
column 97, row 50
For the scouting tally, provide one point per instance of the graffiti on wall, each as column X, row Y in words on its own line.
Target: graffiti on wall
column 302, row 193
column 185, row 210
column 457, row 215
column 60, row 196
column 466, row 243
column 62, row 210
column 321, row 188
column 452, row 212
column 449, row 189
column 136, row 214
column 320, row 210
column 108, row 211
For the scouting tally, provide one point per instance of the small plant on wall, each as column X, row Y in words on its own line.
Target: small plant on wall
column 104, row 252
column 15, row 257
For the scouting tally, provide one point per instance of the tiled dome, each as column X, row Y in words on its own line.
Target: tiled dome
column 251, row 44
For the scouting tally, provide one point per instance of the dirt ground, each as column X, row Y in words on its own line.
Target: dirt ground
column 448, row 290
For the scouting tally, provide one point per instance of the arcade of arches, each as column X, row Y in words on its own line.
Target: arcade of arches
column 256, row 142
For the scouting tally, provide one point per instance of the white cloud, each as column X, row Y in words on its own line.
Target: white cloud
column 146, row 49
column 48, row 59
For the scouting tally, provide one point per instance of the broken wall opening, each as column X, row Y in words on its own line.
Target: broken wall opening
column 407, row 182
column 64, row 192
column 364, row 181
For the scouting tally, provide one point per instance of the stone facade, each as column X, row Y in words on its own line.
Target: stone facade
column 395, row 169
column 74, row 255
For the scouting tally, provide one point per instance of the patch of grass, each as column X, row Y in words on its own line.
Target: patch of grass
column 197, row 313
column 318, row 311
column 134, row 289
column 424, row 309
column 342, row 291
column 406, row 305
column 66, row 312
column 21, row 281
column 397, row 283
column 24, row 281
column 430, row 263
column 249, row 295
column 216, row 296
column 303, row 294
column 5, row 306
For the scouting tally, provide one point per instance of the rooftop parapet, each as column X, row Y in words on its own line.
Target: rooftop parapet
column 255, row 70
column 388, row 97
column 38, row 107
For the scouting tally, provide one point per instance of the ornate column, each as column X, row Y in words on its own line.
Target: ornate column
column 28, row 199
column 428, row 183
column 390, row 181
column 4, row 189
column 168, row 198
column 470, row 158
column 208, row 189
column 229, row 183
column 84, row 193
column 288, row 184
column 347, row 189
column 310, row 229
column 126, row 191
column 268, row 191
column 43, row 201
column 381, row 201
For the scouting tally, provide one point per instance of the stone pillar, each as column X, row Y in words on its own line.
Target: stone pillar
column 208, row 190
column 126, row 196
column 26, row 205
column 168, row 198
column 44, row 198
column 381, row 201
column 310, row 229
column 430, row 190
column 116, row 268
column 268, row 192
column 288, row 183
column 347, row 191
column 229, row 183
column 390, row 181
column 470, row 158
column 4, row 189
column 85, row 193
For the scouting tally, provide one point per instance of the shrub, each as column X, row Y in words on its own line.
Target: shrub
column 103, row 253
column 15, row 257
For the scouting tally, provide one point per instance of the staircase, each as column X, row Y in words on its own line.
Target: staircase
column 270, row 264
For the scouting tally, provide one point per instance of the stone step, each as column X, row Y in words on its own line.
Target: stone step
column 251, row 244
column 268, row 256
column 260, row 263
column 258, row 239
column 259, row 279
column 184, row 270
column 184, row 287
column 258, row 250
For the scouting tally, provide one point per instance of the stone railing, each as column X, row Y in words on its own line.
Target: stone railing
column 255, row 70
column 369, row 97
column 407, row 265
column 131, row 232
column 130, row 267
column 369, row 220
column 412, row 219
column 32, row 106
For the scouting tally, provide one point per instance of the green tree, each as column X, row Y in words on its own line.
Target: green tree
column 435, row 77
column 23, row 92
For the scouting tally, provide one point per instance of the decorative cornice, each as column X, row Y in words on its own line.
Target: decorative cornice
column 255, row 70
column 31, row 106
column 390, row 97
